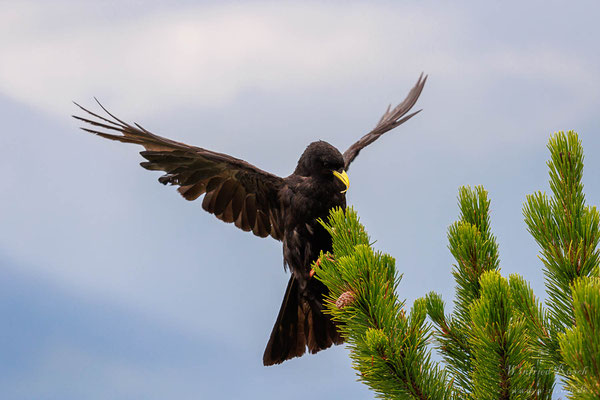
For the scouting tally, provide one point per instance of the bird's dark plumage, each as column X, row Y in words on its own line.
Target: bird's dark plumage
column 286, row 209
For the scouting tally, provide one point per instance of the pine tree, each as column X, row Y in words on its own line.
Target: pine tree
column 499, row 342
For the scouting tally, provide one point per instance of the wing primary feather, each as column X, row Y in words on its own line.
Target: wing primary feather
column 192, row 192
column 385, row 114
column 151, row 166
column 143, row 129
column 94, row 115
column 214, row 183
column 259, row 227
column 224, row 196
column 207, row 200
column 227, row 215
column 237, row 201
column 403, row 120
column 215, row 195
column 124, row 124
column 99, row 124
column 250, row 208
column 123, row 139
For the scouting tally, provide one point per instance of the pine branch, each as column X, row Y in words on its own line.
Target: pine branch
column 504, row 360
column 580, row 345
column 475, row 251
column 566, row 230
column 487, row 342
column 452, row 342
column 388, row 349
column 536, row 320
column 473, row 246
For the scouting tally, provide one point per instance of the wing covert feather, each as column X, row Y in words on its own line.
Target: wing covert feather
column 389, row 120
column 234, row 190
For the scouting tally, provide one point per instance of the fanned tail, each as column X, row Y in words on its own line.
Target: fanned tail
column 301, row 323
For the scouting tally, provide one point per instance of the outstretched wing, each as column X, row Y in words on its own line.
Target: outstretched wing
column 389, row 120
column 235, row 191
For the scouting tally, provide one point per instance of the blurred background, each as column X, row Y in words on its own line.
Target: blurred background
column 114, row 287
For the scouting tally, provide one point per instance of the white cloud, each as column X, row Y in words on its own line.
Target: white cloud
column 204, row 54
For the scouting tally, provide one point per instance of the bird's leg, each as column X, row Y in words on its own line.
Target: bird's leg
column 311, row 273
column 318, row 262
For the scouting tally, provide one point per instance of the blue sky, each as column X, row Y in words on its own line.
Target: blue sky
column 112, row 286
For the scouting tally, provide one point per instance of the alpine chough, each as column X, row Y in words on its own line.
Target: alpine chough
column 256, row 201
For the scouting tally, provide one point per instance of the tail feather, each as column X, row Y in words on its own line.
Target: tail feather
column 301, row 323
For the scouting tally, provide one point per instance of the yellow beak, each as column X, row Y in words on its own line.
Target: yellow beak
column 343, row 176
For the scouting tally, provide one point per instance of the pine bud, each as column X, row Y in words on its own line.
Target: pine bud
column 345, row 299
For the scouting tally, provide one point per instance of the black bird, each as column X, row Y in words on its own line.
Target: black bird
column 267, row 205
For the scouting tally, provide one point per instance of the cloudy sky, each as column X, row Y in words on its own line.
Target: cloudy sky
column 112, row 286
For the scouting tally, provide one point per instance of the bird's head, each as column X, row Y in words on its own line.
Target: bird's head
column 323, row 161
